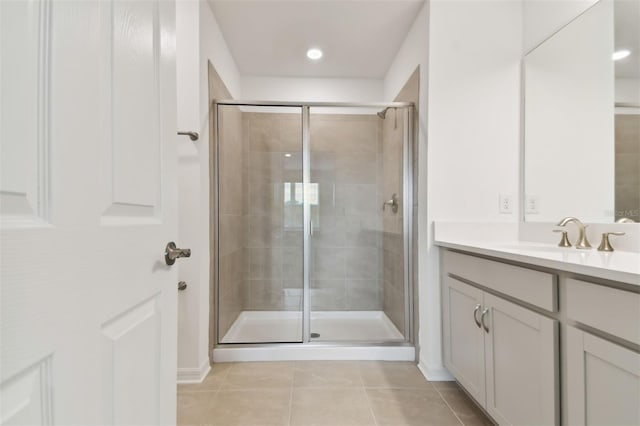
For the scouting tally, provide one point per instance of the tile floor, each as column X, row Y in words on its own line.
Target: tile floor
column 331, row 393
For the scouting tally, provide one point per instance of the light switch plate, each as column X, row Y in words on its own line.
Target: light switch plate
column 531, row 204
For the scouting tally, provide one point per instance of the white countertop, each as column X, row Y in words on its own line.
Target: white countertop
column 617, row 266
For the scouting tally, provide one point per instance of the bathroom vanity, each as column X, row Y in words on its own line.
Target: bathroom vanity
column 538, row 334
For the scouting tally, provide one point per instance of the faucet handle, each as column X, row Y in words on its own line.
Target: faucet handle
column 605, row 245
column 565, row 239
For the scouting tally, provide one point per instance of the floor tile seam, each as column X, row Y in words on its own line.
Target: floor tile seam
column 181, row 392
column 449, row 405
column 329, row 387
column 226, row 373
column 265, row 388
column 359, row 368
column 290, row 406
column 401, row 387
column 373, row 414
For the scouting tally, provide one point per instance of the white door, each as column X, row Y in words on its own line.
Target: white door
column 87, row 205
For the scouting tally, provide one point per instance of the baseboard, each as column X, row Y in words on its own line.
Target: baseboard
column 435, row 374
column 194, row 375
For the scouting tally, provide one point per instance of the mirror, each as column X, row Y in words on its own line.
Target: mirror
column 582, row 118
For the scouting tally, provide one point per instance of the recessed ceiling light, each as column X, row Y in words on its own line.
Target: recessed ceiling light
column 620, row 54
column 287, row 155
column 314, row 54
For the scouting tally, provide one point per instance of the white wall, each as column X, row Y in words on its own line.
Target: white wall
column 187, row 55
column 474, row 115
column 542, row 18
column 414, row 52
column 199, row 40
column 469, row 52
column 311, row 89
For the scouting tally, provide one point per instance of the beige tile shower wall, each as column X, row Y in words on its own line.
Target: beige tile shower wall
column 392, row 246
column 346, row 261
column 232, row 230
column 627, row 166
column 273, row 240
column 346, row 271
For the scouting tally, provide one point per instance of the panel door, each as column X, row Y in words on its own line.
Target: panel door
column 521, row 349
column 463, row 336
column 88, row 203
column 603, row 381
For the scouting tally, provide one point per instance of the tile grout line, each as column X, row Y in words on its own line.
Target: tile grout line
column 448, row 405
column 366, row 394
column 291, row 400
column 222, row 380
column 373, row 414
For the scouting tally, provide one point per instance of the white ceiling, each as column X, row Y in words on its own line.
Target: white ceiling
column 359, row 38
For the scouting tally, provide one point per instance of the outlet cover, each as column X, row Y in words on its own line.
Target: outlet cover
column 506, row 204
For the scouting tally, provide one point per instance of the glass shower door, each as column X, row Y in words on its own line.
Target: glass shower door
column 355, row 200
column 260, row 224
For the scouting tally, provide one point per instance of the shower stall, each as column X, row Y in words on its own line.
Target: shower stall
column 311, row 225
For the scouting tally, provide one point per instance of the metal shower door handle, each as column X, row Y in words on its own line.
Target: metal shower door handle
column 393, row 202
column 171, row 253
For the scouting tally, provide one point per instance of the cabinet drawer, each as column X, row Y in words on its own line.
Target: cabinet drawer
column 534, row 287
column 593, row 305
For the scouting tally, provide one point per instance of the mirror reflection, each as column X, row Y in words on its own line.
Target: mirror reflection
column 582, row 118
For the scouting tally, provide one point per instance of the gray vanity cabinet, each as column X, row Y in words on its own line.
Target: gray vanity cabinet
column 506, row 360
column 503, row 354
column 603, row 381
column 602, row 376
column 464, row 337
column 521, row 350
column 503, row 324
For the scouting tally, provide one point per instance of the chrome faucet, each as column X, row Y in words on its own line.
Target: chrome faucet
column 582, row 243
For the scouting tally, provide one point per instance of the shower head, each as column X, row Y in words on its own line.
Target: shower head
column 382, row 113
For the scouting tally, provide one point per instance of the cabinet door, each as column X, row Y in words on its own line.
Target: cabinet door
column 603, row 381
column 521, row 358
column 463, row 338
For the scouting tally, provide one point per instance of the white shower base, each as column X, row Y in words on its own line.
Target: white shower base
column 342, row 336
column 286, row 327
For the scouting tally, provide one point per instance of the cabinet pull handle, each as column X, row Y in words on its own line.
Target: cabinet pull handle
column 485, row 312
column 475, row 315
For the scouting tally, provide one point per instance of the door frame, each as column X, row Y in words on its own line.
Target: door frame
column 407, row 211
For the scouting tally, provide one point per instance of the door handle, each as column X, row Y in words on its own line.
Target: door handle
column 171, row 253
column 192, row 135
column 393, row 202
column 475, row 315
column 485, row 312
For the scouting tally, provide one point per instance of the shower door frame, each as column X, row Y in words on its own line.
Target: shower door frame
column 407, row 219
